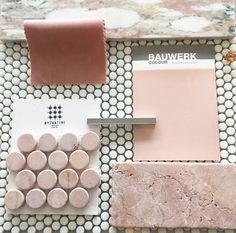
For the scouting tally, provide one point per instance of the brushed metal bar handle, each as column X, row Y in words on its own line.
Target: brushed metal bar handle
column 122, row 121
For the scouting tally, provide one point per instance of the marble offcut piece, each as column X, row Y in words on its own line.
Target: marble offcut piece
column 127, row 19
column 173, row 195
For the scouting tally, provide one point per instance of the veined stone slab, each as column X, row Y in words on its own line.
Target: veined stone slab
column 127, row 19
column 173, row 195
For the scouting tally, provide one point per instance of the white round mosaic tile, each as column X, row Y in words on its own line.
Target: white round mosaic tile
column 117, row 143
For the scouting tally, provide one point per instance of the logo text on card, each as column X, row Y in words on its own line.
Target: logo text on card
column 54, row 116
column 163, row 58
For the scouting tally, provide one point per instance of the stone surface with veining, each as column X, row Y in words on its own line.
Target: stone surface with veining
column 127, row 19
column 173, row 195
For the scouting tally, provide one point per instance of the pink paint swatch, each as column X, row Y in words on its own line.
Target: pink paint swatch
column 66, row 52
column 184, row 102
column 175, row 84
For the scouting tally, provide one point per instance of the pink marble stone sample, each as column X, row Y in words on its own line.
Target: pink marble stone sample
column 79, row 197
column 36, row 160
column 25, row 179
column 57, row 160
column 79, row 159
column 57, row 198
column 127, row 19
column 68, row 142
column 47, row 179
column 15, row 161
column 90, row 178
column 90, row 141
column 174, row 195
column 26, row 142
column 14, row 199
column 47, row 142
column 35, row 198
column 68, row 178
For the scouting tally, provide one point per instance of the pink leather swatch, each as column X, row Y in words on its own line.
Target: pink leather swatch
column 66, row 52
column 184, row 102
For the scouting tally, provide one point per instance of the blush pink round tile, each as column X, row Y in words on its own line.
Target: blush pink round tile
column 90, row 178
column 15, row 161
column 90, row 141
column 36, row 160
column 35, row 198
column 79, row 198
column 68, row 178
column 25, row 179
column 47, row 179
column 57, row 198
column 26, row 143
column 79, row 159
column 57, row 160
column 14, row 199
column 68, row 142
column 47, row 142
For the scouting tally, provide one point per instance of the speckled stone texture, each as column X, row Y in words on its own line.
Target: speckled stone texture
column 173, row 195
column 127, row 19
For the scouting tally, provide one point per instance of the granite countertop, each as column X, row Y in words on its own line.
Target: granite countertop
column 127, row 19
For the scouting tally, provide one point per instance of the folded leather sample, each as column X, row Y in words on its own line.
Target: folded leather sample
column 66, row 52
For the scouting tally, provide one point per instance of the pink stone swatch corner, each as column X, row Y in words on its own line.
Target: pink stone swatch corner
column 173, row 195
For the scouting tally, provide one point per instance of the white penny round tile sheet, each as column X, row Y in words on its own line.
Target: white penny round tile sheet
column 117, row 142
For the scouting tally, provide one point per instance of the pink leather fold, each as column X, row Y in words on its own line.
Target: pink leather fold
column 66, row 52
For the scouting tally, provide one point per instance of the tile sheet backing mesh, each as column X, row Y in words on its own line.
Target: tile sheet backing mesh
column 117, row 142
